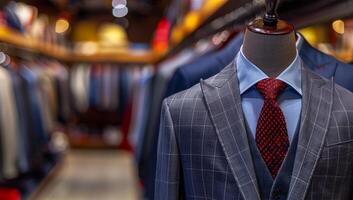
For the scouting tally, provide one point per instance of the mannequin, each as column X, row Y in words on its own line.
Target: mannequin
column 270, row 43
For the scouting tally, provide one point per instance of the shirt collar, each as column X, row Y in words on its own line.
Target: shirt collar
column 249, row 74
column 300, row 41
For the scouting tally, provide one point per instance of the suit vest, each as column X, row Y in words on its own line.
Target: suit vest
column 278, row 188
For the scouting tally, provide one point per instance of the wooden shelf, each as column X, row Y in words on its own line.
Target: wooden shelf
column 11, row 37
column 127, row 56
column 32, row 45
column 62, row 53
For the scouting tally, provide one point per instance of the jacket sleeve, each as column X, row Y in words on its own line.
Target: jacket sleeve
column 168, row 175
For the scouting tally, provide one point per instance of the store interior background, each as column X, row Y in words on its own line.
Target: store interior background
column 96, row 145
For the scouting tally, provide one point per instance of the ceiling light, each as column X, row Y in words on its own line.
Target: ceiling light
column 115, row 3
column 61, row 26
column 120, row 11
column 338, row 26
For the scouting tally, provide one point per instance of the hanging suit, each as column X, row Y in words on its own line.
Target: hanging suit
column 325, row 65
column 209, row 65
column 8, row 128
column 203, row 67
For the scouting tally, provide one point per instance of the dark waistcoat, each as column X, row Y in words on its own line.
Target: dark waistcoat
column 269, row 188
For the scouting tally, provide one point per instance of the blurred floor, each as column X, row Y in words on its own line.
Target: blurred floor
column 93, row 175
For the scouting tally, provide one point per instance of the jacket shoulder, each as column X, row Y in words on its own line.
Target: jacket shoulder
column 186, row 96
column 184, row 105
column 195, row 93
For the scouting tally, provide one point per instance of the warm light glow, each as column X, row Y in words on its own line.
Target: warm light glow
column 87, row 48
column 210, row 6
column 338, row 26
column 38, row 26
column 112, row 35
column 192, row 20
column 61, row 26
column 177, row 35
column 310, row 35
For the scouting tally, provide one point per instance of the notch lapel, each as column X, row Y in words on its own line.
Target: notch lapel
column 315, row 117
column 222, row 98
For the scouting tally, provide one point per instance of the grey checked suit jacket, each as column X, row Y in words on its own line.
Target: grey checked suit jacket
column 203, row 150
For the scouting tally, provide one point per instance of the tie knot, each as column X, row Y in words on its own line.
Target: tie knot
column 270, row 88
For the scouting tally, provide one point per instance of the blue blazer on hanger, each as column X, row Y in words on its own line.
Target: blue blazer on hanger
column 326, row 66
column 209, row 65
column 203, row 67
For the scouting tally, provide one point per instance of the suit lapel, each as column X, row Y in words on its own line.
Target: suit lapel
column 223, row 101
column 315, row 117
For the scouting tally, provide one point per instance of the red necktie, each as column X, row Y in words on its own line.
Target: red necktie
column 271, row 130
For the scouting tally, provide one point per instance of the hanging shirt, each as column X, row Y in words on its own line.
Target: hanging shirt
column 23, row 140
column 9, row 129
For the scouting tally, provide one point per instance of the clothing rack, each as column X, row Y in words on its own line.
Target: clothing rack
column 313, row 12
column 234, row 19
column 36, row 101
column 193, row 35
column 26, row 48
column 318, row 12
column 101, row 97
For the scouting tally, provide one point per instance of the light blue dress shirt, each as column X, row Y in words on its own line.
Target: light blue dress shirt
column 290, row 100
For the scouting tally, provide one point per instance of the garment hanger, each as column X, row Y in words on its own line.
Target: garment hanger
column 269, row 42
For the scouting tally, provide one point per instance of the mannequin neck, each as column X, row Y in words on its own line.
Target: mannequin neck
column 271, row 53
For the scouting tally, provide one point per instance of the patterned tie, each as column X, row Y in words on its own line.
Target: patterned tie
column 271, row 130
